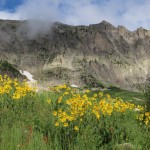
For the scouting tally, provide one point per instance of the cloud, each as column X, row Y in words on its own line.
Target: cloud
column 138, row 15
column 39, row 10
column 130, row 13
column 7, row 15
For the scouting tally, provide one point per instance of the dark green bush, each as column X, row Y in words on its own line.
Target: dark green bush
column 147, row 98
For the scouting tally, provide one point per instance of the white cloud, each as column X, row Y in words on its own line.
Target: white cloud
column 130, row 13
column 7, row 15
column 39, row 10
column 138, row 15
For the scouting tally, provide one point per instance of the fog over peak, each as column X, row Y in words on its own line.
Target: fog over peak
column 130, row 13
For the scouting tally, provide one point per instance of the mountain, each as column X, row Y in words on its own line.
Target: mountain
column 82, row 55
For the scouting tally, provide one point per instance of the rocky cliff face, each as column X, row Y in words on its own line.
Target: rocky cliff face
column 79, row 54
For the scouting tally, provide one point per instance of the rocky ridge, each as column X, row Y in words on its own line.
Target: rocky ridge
column 79, row 54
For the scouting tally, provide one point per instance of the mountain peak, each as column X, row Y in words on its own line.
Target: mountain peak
column 105, row 22
column 104, row 25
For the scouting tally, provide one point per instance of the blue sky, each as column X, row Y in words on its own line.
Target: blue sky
column 130, row 13
column 9, row 5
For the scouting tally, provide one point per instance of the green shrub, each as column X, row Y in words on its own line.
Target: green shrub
column 147, row 98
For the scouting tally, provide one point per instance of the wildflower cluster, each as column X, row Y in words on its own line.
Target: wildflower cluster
column 144, row 118
column 21, row 91
column 73, row 106
column 5, row 84
column 13, row 88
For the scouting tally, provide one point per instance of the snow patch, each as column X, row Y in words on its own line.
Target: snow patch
column 32, row 83
column 73, row 85
column 28, row 75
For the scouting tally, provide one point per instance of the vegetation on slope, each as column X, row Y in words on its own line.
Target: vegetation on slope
column 9, row 69
column 66, row 118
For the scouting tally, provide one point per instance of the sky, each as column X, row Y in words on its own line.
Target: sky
column 129, row 13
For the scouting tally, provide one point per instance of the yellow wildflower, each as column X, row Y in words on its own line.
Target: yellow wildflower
column 65, row 124
column 76, row 128
column 57, row 124
column 55, row 113
column 49, row 101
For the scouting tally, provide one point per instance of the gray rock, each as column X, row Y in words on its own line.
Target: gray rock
column 64, row 53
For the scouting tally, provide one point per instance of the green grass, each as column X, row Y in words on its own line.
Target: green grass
column 124, row 94
column 27, row 122
column 135, row 97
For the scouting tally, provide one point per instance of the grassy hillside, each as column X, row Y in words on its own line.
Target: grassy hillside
column 9, row 69
column 65, row 118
